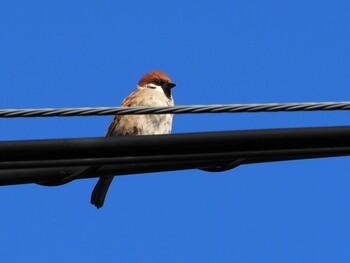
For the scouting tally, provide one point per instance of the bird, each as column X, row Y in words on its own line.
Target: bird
column 154, row 89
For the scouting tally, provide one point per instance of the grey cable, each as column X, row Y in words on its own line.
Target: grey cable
column 223, row 108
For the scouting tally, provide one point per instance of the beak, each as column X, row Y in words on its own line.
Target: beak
column 169, row 85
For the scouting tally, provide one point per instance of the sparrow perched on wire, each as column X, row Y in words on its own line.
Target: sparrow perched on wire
column 154, row 89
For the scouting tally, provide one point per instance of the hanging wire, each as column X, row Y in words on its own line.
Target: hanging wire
column 60, row 161
column 193, row 109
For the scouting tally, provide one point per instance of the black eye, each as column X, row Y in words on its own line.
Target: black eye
column 158, row 82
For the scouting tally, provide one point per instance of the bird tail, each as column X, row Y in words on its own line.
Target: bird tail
column 99, row 193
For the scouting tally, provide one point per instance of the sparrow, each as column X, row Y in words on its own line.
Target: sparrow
column 154, row 89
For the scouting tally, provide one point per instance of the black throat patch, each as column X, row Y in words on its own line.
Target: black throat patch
column 167, row 92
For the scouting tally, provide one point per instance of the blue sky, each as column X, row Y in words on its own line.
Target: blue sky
column 90, row 53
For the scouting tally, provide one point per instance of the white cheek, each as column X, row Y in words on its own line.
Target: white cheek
column 153, row 87
column 156, row 87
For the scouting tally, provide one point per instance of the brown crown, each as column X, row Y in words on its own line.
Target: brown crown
column 154, row 76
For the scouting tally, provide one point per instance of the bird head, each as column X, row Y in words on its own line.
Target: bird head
column 157, row 80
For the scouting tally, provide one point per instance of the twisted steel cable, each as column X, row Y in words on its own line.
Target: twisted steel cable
column 194, row 109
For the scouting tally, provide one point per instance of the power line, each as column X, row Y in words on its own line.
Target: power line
column 193, row 109
column 59, row 161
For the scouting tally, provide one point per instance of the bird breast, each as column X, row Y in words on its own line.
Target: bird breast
column 148, row 124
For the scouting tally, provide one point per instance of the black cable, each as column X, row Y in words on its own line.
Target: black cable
column 194, row 109
column 54, row 162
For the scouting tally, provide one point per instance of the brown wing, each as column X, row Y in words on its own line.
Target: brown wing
column 112, row 125
column 127, row 102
